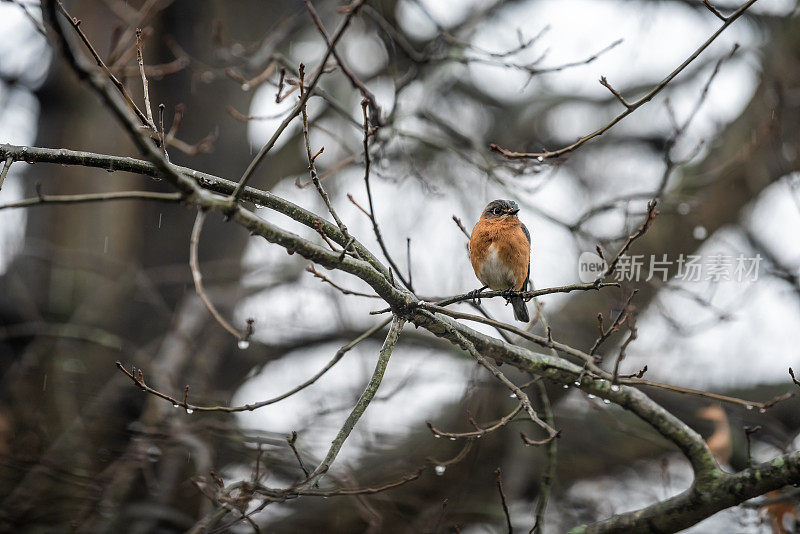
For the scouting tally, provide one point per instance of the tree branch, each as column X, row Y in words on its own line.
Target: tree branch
column 629, row 107
column 361, row 405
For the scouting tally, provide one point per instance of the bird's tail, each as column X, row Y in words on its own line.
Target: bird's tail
column 520, row 309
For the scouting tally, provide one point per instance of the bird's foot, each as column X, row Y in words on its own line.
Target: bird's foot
column 508, row 293
column 475, row 295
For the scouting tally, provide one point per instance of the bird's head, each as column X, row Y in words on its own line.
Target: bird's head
column 504, row 209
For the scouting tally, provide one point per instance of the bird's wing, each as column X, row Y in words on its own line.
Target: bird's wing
column 527, row 276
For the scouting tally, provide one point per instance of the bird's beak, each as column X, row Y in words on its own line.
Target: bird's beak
column 514, row 212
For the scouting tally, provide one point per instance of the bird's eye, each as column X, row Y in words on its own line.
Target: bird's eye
column 496, row 211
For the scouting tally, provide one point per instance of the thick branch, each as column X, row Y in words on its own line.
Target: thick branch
column 701, row 501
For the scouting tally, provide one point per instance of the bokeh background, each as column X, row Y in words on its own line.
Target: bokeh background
column 82, row 286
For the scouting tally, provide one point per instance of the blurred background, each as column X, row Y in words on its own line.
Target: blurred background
column 83, row 450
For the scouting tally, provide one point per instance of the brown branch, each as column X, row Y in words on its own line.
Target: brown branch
column 652, row 213
column 795, row 380
column 256, row 405
column 479, row 432
column 499, row 479
column 42, row 199
column 312, row 169
column 630, row 107
column 145, row 87
column 291, row 441
column 461, row 227
column 762, row 406
column 604, row 83
column 371, row 213
column 194, row 264
column 353, row 9
column 527, row 295
column 621, row 318
column 120, row 87
column 344, row 291
column 4, row 172
column 633, row 334
column 715, row 11
column 375, row 109
column 521, row 396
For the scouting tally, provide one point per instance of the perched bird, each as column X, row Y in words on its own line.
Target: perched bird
column 500, row 252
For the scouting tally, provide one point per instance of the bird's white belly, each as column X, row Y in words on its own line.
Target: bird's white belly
column 495, row 273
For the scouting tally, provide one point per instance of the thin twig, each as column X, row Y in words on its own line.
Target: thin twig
column 604, row 83
column 42, row 199
column 291, row 441
column 311, row 269
column 6, row 166
column 479, row 431
column 461, row 226
column 375, row 113
column 351, row 12
column 145, row 87
column 523, row 398
column 120, row 87
column 632, row 335
column 748, row 431
column 194, row 264
column 621, row 318
column 499, row 479
column 527, row 295
column 256, row 405
column 715, row 11
column 312, row 169
column 652, row 213
column 631, row 107
column 371, row 214
column 795, row 380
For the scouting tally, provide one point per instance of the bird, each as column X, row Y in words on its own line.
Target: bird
column 500, row 252
column 719, row 443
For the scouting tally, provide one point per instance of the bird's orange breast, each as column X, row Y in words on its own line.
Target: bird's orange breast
column 500, row 253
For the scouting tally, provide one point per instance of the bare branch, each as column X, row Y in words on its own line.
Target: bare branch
column 256, row 405
column 375, row 109
column 630, row 107
column 523, row 398
column 4, row 172
column 351, row 12
column 194, row 264
column 604, row 83
column 43, row 199
column 344, row 291
column 145, row 87
column 479, row 432
column 312, row 169
column 371, row 214
column 361, row 405
column 715, row 11
column 499, row 479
